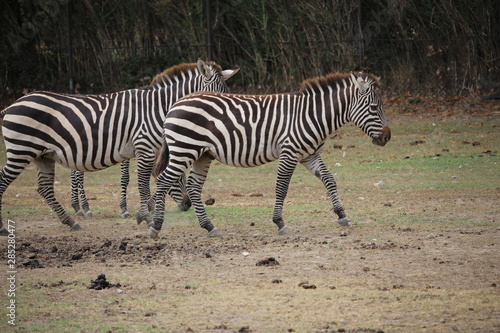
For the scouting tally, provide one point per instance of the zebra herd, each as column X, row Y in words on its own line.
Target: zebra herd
column 204, row 122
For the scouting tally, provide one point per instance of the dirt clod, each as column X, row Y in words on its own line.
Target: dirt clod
column 101, row 283
column 34, row 263
column 267, row 262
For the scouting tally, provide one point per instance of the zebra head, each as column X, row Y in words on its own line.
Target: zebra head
column 368, row 111
column 214, row 79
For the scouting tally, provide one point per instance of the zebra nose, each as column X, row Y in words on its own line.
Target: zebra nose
column 386, row 133
column 383, row 138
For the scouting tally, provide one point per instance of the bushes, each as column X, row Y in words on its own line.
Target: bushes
column 428, row 47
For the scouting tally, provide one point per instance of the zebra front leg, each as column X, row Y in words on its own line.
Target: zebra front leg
column 317, row 167
column 194, row 186
column 46, row 190
column 124, row 181
column 285, row 171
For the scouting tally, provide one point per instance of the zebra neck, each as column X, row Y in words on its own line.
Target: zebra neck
column 326, row 112
column 172, row 91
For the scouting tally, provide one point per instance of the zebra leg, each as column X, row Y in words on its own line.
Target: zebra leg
column 8, row 174
column 195, row 183
column 124, row 181
column 317, row 167
column 46, row 168
column 75, row 202
column 144, row 169
column 178, row 192
column 77, row 186
column 164, row 182
column 285, row 171
column 83, row 196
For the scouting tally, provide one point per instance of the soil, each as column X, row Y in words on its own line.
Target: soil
column 322, row 277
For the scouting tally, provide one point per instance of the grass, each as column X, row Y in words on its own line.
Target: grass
column 438, row 204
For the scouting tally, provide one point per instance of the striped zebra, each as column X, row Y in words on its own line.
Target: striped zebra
column 251, row 130
column 94, row 132
column 78, row 190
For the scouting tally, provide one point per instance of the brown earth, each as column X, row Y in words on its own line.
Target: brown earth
column 375, row 276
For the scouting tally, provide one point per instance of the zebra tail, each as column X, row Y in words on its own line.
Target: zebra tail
column 3, row 113
column 161, row 160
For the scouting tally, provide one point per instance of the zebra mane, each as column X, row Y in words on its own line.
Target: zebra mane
column 323, row 82
column 177, row 70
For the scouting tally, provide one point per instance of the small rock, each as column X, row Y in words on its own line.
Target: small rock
column 210, row 202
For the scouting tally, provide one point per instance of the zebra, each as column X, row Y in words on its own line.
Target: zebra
column 251, row 130
column 78, row 191
column 94, row 132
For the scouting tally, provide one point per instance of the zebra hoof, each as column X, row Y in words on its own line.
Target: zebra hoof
column 139, row 218
column 214, row 233
column 185, row 204
column 126, row 215
column 76, row 227
column 80, row 213
column 89, row 214
column 343, row 222
column 153, row 233
column 284, row 231
column 4, row 232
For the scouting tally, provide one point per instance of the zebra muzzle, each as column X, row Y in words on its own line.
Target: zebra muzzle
column 383, row 138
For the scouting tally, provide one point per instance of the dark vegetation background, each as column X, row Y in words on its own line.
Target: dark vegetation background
column 426, row 47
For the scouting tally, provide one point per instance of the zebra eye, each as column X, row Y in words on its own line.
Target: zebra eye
column 373, row 108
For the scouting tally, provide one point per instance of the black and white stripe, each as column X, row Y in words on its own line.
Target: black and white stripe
column 94, row 132
column 251, row 130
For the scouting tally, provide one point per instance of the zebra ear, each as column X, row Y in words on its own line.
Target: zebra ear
column 361, row 84
column 228, row 73
column 204, row 69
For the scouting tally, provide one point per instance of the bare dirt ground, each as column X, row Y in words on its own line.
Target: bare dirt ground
column 413, row 275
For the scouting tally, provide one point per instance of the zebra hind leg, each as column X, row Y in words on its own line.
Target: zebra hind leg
column 77, row 187
column 75, row 202
column 7, row 176
column 317, row 167
column 178, row 192
column 195, row 183
column 46, row 169
column 163, row 184
column 124, row 181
